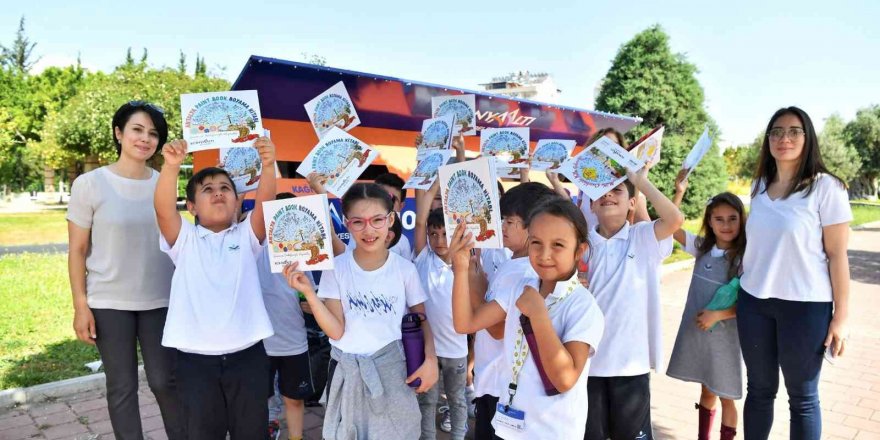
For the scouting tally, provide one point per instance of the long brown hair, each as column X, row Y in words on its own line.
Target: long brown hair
column 810, row 161
column 708, row 239
column 598, row 135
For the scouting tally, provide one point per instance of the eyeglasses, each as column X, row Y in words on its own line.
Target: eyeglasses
column 145, row 104
column 360, row 223
column 792, row 133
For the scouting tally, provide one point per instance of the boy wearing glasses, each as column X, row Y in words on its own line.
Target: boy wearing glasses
column 217, row 319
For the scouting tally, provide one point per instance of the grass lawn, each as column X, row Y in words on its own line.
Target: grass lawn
column 865, row 214
column 33, row 228
column 36, row 317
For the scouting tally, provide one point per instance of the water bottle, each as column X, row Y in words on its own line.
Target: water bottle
column 413, row 344
column 526, row 324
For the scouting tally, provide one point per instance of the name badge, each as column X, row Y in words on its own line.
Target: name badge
column 510, row 417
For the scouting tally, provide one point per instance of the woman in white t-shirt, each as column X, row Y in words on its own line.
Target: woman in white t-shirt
column 360, row 308
column 793, row 304
column 119, row 277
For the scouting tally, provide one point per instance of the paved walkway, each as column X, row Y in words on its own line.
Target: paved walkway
column 850, row 389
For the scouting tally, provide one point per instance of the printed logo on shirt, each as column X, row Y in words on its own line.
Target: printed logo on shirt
column 233, row 247
column 631, row 255
column 371, row 304
column 642, row 436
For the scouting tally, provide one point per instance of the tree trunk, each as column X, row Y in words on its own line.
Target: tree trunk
column 863, row 187
column 48, row 179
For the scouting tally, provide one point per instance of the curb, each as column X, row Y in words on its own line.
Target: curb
column 871, row 225
column 39, row 393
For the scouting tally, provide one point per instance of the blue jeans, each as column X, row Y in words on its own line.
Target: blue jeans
column 775, row 333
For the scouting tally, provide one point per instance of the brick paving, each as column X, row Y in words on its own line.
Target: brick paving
column 850, row 389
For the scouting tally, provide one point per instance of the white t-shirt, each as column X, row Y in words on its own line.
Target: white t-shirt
column 785, row 257
column 493, row 259
column 216, row 304
column 587, row 210
column 488, row 351
column 690, row 246
column 373, row 302
column 126, row 270
column 402, row 248
column 577, row 317
column 436, row 277
column 282, row 305
column 624, row 276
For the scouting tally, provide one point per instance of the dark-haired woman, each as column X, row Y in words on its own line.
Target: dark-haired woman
column 119, row 277
column 793, row 304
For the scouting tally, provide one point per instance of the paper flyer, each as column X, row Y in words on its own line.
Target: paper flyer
column 220, row 119
column 426, row 171
column 340, row 157
column 298, row 229
column 647, row 149
column 508, row 173
column 464, row 107
column 600, row 167
column 551, row 153
column 436, row 135
column 470, row 194
column 333, row 108
column 509, row 146
column 696, row 155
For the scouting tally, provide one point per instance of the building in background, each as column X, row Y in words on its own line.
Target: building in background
column 525, row 85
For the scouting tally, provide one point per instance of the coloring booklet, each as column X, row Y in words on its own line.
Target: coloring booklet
column 332, row 108
column 463, row 107
column 508, row 173
column 436, row 135
column 647, row 149
column 426, row 171
column 220, row 119
column 509, row 146
column 340, row 157
column 600, row 167
column 550, row 154
column 244, row 166
column 470, row 195
column 298, row 229
column 696, row 155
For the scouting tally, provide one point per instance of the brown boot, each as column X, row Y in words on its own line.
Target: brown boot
column 706, row 418
column 727, row 433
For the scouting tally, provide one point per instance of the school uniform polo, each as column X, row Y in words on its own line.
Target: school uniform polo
column 216, row 305
column 436, row 277
column 624, row 276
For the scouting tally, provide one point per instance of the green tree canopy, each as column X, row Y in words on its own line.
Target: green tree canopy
column 840, row 157
column 648, row 80
column 863, row 134
column 19, row 56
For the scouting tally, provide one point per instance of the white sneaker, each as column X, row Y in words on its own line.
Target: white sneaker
column 445, row 419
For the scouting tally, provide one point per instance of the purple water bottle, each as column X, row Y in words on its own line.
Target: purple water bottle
column 536, row 356
column 413, row 344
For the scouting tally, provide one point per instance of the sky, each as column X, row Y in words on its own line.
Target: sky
column 753, row 56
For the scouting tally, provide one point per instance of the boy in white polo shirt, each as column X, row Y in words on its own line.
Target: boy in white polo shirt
column 624, row 276
column 216, row 316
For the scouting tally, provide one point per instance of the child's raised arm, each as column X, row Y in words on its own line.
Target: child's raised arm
column 165, row 198
column 266, row 188
column 681, row 185
column 563, row 363
column 458, row 145
column 316, row 183
column 424, row 198
column 328, row 314
column 671, row 218
column 553, row 178
column 465, row 317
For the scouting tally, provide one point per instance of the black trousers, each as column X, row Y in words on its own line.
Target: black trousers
column 619, row 408
column 119, row 333
column 225, row 393
column 484, row 406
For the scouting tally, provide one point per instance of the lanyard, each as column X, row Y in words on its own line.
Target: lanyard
column 521, row 348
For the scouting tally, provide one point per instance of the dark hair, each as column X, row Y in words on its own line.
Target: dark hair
column 284, row 195
column 396, row 229
column 500, row 188
column 707, row 236
column 125, row 112
column 810, row 161
column 563, row 208
column 599, row 134
column 392, row 180
column 436, row 218
column 521, row 199
column 200, row 177
column 365, row 191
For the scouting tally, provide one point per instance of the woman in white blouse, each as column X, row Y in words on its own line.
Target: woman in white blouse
column 119, row 278
column 793, row 305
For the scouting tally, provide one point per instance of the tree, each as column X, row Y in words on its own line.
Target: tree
column 863, row 134
column 143, row 61
column 18, row 56
column 201, row 68
column 742, row 160
column 648, row 80
column 840, row 157
column 181, row 64
column 129, row 60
